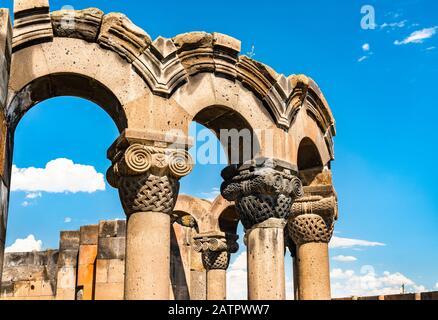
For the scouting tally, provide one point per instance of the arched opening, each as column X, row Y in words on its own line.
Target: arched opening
column 58, row 180
column 65, row 84
column 309, row 161
column 222, row 137
column 235, row 134
column 229, row 220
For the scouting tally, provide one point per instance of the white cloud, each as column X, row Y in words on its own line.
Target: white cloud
column 67, row 220
column 343, row 243
column 362, row 58
column 393, row 25
column 342, row 258
column 366, row 47
column 431, row 48
column 436, row 285
column 237, row 279
column 347, row 283
column 25, row 204
column 34, row 195
column 59, row 176
column 418, row 36
column 25, row 245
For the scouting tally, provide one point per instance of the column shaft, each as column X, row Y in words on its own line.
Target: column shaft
column 296, row 278
column 147, row 256
column 216, row 284
column 266, row 279
column 313, row 271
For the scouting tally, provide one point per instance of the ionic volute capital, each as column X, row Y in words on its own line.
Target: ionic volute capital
column 262, row 189
column 216, row 249
column 147, row 172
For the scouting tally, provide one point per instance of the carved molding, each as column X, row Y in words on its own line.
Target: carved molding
column 216, row 249
column 80, row 24
column 166, row 64
column 32, row 24
column 262, row 189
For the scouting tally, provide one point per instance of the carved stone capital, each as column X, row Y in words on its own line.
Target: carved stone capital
column 262, row 189
column 313, row 219
column 216, row 249
column 147, row 174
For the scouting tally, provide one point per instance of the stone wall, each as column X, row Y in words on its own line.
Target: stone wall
column 30, row 275
column 398, row 297
column 90, row 265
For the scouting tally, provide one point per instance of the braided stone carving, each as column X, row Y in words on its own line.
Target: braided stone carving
column 313, row 219
column 216, row 250
column 148, row 177
column 261, row 189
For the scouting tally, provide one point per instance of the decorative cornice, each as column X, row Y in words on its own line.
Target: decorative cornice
column 166, row 64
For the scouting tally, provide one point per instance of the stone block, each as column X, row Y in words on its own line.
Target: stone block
column 30, row 5
column 102, row 271
column 69, row 240
column 400, row 297
column 429, row 295
column 89, row 234
column 111, row 248
column 68, row 258
column 80, row 24
column 87, row 254
column 116, row 271
column 110, row 229
column 32, row 23
column 119, row 34
column 109, row 291
column 66, row 278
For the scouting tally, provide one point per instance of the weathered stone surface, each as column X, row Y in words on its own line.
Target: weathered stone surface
column 32, row 23
column 69, row 240
column 30, row 274
column 112, row 248
column 160, row 67
column 118, row 33
column 80, row 24
column 114, row 228
column 5, row 55
column 89, row 235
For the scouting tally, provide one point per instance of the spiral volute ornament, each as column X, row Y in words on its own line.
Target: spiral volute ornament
column 138, row 158
column 180, row 163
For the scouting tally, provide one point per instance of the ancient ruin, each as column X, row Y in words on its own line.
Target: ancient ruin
column 281, row 191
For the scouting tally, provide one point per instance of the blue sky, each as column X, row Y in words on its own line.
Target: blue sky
column 380, row 84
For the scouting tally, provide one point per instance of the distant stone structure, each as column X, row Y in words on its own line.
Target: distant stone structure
column 281, row 189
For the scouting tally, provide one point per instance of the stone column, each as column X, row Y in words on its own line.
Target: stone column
column 147, row 171
column 216, row 249
column 6, row 136
column 311, row 228
column 263, row 190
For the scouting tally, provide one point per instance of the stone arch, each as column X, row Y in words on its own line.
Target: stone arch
column 157, row 85
column 224, row 217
